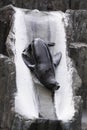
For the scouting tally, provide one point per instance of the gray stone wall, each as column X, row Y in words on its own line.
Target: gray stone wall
column 77, row 28
column 6, row 15
column 38, row 4
column 7, row 72
column 47, row 4
column 7, row 90
column 77, row 42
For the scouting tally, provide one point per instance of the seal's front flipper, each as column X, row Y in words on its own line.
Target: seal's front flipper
column 28, row 62
column 56, row 58
column 50, row 44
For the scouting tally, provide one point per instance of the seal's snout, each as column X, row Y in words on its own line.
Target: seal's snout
column 54, row 85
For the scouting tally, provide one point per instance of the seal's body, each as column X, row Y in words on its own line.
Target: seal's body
column 39, row 60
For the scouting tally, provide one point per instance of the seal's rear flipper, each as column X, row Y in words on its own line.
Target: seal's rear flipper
column 56, row 58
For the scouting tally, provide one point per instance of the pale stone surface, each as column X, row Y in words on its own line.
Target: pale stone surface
column 45, row 102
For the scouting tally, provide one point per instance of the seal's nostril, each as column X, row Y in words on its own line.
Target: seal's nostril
column 57, row 86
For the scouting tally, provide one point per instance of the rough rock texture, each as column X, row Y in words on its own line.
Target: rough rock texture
column 7, row 72
column 78, row 51
column 77, row 41
column 77, row 28
column 78, row 113
column 79, row 54
column 47, row 4
column 78, row 4
column 7, row 90
column 5, row 24
column 76, row 81
column 77, row 36
column 38, row 4
column 19, row 123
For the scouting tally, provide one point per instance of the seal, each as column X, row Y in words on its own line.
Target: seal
column 38, row 58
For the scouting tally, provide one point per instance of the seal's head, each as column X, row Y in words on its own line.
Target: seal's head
column 46, row 75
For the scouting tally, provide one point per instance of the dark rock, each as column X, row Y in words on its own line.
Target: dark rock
column 75, row 4
column 83, row 4
column 6, row 2
column 70, row 26
column 7, row 72
column 76, row 82
column 78, row 4
column 78, row 51
column 7, row 90
column 10, row 40
column 47, row 4
column 78, row 113
column 38, row 4
column 77, row 26
column 19, row 123
column 5, row 24
column 77, row 41
column 42, row 124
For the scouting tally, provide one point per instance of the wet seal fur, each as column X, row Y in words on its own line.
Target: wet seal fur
column 39, row 60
